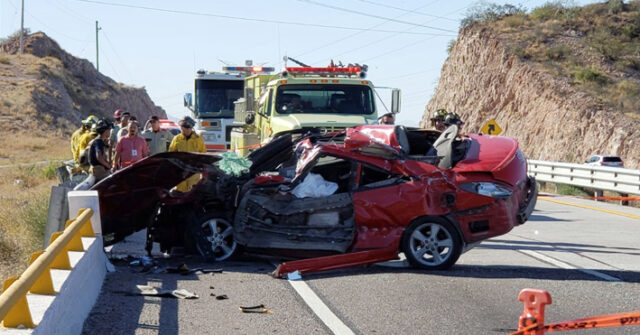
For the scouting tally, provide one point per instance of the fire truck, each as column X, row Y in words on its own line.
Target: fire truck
column 322, row 98
column 212, row 106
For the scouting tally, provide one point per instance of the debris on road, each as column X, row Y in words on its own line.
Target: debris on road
column 222, row 297
column 295, row 275
column 155, row 292
column 255, row 309
column 184, row 270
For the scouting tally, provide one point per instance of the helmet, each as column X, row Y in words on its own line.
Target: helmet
column 102, row 126
column 92, row 119
column 439, row 115
column 452, row 118
column 117, row 113
column 187, row 122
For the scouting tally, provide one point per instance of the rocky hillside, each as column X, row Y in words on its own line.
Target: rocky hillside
column 564, row 84
column 48, row 89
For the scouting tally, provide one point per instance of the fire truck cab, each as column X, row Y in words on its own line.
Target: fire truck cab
column 325, row 98
column 213, row 104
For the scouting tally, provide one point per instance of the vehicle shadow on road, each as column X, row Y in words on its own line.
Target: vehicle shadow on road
column 485, row 272
column 498, row 244
column 546, row 218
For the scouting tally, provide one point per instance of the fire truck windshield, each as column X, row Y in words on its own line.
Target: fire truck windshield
column 214, row 98
column 341, row 99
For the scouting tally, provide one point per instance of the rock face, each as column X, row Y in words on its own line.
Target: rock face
column 481, row 81
column 53, row 89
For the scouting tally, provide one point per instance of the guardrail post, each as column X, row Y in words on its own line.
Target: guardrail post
column 19, row 314
column 624, row 202
column 598, row 194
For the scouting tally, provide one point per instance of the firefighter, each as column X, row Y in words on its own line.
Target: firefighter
column 79, row 134
column 187, row 141
column 437, row 121
column 83, row 147
column 451, row 119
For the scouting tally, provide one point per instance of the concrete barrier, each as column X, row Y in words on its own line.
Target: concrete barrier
column 73, row 289
column 86, row 199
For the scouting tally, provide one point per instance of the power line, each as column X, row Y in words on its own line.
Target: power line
column 104, row 33
column 375, row 16
column 390, row 36
column 359, row 32
column 184, row 12
column 413, row 11
column 62, row 8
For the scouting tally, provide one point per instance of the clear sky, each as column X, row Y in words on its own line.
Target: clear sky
column 160, row 44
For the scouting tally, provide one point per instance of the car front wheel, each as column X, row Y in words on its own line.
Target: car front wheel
column 431, row 243
column 212, row 235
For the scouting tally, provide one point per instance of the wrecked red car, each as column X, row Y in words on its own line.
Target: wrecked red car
column 375, row 191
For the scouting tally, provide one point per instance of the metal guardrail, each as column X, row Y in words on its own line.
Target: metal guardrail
column 36, row 279
column 621, row 180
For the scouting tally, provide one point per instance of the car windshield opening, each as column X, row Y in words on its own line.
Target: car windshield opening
column 333, row 99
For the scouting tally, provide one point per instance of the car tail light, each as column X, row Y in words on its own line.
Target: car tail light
column 487, row 189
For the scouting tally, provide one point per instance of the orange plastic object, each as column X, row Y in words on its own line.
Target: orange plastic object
column 534, row 301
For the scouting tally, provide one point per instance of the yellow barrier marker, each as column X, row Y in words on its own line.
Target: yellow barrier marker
column 19, row 314
column 14, row 309
column 87, row 230
column 44, row 283
column 62, row 259
column 76, row 241
column 589, row 207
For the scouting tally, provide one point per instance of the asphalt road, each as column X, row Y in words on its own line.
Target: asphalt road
column 588, row 260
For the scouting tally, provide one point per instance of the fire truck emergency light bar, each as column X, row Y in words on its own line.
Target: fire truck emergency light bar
column 251, row 69
column 332, row 70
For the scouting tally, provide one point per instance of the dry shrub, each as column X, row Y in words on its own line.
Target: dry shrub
column 23, row 213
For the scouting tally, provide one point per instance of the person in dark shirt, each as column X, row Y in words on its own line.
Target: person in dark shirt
column 98, row 152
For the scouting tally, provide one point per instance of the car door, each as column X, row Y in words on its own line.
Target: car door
column 384, row 204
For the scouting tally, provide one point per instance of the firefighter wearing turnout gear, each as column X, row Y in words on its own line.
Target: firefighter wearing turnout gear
column 77, row 135
column 187, row 141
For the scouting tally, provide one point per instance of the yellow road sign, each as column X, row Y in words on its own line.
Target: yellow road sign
column 491, row 128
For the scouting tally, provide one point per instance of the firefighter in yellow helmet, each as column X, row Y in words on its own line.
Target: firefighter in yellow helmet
column 83, row 146
column 77, row 135
column 187, row 141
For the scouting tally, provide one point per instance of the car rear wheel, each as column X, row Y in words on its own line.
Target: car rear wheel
column 431, row 243
column 212, row 235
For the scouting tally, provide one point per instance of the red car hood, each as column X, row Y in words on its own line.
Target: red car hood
column 488, row 153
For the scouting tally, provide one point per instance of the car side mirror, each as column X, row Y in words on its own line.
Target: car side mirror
column 188, row 100
column 395, row 101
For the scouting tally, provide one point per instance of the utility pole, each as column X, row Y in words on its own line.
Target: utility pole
column 97, row 50
column 22, row 29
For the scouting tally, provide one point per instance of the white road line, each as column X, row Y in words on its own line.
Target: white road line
column 319, row 308
column 564, row 265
